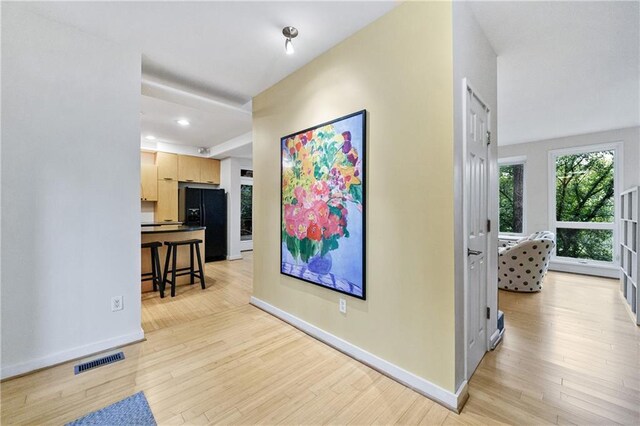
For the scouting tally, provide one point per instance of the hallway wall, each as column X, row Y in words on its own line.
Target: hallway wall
column 399, row 69
column 70, row 188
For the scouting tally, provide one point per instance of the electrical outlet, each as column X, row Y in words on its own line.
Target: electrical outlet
column 116, row 303
column 342, row 305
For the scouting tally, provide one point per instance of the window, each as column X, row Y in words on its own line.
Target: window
column 512, row 196
column 583, row 197
column 246, row 212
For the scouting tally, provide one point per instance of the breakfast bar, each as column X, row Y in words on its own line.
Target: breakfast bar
column 165, row 233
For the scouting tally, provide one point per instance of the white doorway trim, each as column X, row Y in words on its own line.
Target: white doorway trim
column 491, row 293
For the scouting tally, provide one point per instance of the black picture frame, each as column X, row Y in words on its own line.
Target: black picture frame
column 364, row 178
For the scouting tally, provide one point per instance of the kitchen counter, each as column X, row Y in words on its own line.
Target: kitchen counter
column 160, row 223
column 163, row 234
column 161, row 229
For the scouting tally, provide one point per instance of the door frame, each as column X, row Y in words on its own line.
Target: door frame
column 491, row 289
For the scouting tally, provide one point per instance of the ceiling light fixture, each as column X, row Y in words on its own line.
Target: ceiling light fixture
column 289, row 33
column 150, row 137
column 183, row 122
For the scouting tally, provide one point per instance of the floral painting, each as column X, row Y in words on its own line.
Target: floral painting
column 323, row 214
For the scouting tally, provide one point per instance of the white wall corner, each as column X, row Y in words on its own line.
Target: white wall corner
column 450, row 400
column 220, row 150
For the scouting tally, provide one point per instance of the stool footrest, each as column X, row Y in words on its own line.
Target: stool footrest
column 181, row 274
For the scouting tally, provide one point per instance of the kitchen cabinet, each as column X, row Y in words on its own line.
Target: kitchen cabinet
column 167, row 166
column 167, row 205
column 148, row 182
column 160, row 174
column 188, row 168
column 210, row 171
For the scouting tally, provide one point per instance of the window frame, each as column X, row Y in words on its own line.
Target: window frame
column 512, row 161
column 246, row 181
column 554, row 224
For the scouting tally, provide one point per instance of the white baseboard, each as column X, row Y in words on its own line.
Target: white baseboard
column 452, row 401
column 578, row 268
column 64, row 356
column 234, row 257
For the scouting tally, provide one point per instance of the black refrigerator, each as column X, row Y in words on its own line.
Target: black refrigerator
column 206, row 207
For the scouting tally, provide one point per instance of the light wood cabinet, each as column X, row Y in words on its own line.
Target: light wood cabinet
column 188, row 168
column 210, row 171
column 148, row 182
column 160, row 173
column 167, row 166
column 167, row 204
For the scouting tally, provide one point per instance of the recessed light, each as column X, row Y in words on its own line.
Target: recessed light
column 183, row 122
column 150, row 137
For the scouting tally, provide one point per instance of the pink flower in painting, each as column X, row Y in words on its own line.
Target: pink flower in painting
column 291, row 213
column 321, row 189
column 297, row 220
column 301, row 195
column 310, row 215
column 291, row 228
column 321, row 212
column 332, row 227
column 301, row 225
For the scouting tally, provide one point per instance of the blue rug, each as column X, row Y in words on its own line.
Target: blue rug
column 133, row 410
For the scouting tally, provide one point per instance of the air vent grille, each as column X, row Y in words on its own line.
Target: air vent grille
column 81, row 368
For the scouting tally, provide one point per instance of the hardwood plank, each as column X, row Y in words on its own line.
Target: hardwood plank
column 570, row 356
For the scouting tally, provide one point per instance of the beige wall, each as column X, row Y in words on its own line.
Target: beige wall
column 536, row 168
column 400, row 69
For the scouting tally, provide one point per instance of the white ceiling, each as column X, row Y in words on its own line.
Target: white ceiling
column 243, row 151
column 225, row 51
column 564, row 68
column 207, row 128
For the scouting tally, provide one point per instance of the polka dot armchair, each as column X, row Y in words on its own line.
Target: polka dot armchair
column 522, row 267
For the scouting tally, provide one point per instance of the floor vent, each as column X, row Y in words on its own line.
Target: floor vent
column 81, row 368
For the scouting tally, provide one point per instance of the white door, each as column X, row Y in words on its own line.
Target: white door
column 476, row 216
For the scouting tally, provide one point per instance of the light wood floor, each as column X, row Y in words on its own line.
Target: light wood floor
column 570, row 356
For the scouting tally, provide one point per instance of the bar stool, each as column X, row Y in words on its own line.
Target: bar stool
column 156, row 274
column 172, row 254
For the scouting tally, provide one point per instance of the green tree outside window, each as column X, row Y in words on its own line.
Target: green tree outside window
column 511, row 198
column 585, row 193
